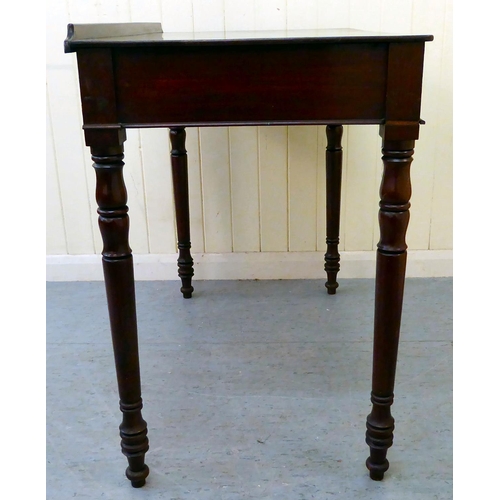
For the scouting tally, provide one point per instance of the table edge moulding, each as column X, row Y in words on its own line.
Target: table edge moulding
column 133, row 75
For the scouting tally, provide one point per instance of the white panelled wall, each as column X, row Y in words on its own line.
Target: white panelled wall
column 256, row 193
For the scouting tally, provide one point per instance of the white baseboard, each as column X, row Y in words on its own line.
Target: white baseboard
column 249, row 266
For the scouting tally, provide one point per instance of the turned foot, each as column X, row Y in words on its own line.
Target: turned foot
column 379, row 436
column 186, row 288
column 332, row 265
column 377, row 470
column 135, row 443
column 137, row 478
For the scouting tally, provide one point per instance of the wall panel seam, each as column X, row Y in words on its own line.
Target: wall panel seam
column 318, row 170
column 258, row 184
column 438, row 126
column 143, row 177
column 201, row 188
column 56, row 168
column 203, row 222
column 230, row 184
column 288, row 188
column 83, row 152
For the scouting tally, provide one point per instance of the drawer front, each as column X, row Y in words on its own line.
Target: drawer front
column 261, row 84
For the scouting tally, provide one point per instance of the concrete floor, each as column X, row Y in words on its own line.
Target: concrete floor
column 252, row 390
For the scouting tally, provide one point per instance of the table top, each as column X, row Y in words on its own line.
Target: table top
column 151, row 34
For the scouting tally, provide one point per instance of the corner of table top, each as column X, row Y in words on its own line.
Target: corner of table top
column 146, row 34
column 85, row 32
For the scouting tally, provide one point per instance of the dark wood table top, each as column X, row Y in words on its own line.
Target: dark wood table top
column 147, row 34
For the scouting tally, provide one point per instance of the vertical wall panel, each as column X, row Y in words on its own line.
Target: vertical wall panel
column 343, row 211
column 80, row 12
column 66, row 125
column 321, row 191
column 302, row 187
column 396, row 16
column 176, row 16
column 360, row 190
column 332, row 14
column 55, row 239
column 270, row 14
column 56, row 63
column 365, row 15
column 133, row 177
column 273, row 182
column 155, row 158
column 111, row 11
column 195, row 190
column 144, row 12
column 57, row 21
column 75, row 173
column 239, row 15
column 208, row 15
column 441, row 236
column 425, row 159
column 301, row 15
column 216, row 182
column 244, row 163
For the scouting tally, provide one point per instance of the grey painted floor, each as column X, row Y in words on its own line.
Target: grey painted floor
column 252, row 390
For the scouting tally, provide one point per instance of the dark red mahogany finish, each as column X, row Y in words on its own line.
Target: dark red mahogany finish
column 178, row 158
column 133, row 75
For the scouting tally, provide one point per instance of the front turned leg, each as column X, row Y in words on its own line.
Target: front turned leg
column 178, row 157
column 111, row 198
column 333, row 184
column 395, row 192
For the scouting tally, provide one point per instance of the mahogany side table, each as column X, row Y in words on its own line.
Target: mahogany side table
column 134, row 75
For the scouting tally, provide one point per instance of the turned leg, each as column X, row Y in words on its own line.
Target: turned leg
column 333, row 183
column 178, row 157
column 111, row 198
column 395, row 194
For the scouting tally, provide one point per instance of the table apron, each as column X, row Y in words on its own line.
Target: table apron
column 259, row 84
